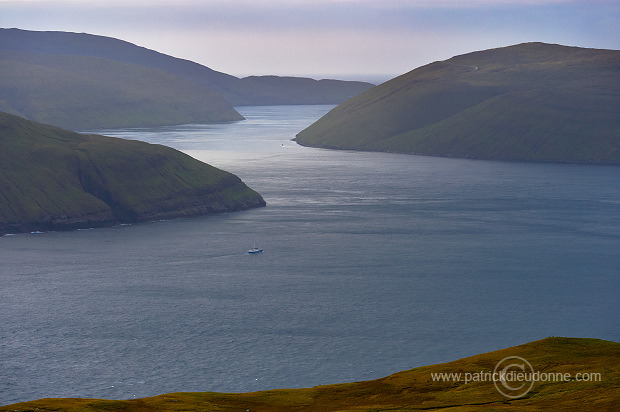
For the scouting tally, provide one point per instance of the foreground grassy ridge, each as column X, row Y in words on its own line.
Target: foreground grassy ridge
column 411, row 390
column 529, row 102
column 52, row 178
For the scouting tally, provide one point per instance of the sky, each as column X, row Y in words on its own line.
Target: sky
column 346, row 39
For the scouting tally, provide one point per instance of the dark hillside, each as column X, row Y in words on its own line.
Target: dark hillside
column 54, row 179
column 529, row 102
column 81, row 92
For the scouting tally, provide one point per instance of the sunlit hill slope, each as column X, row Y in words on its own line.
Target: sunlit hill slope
column 412, row 390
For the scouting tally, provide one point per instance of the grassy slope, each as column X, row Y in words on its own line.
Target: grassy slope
column 534, row 101
column 52, row 178
column 79, row 92
column 410, row 390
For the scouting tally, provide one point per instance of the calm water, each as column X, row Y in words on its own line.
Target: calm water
column 373, row 263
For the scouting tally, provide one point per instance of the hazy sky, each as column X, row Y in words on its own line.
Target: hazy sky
column 324, row 38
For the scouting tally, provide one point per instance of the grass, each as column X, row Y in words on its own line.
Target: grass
column 529, row 102
column 412, row 390
column 52, row 178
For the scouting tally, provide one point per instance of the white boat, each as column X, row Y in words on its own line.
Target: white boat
column 255, row 249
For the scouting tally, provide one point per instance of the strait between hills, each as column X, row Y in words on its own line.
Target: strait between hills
column 55, row 179
column 565, row 361
column 529, row 102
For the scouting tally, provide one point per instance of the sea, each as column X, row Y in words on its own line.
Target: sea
column 373, row 263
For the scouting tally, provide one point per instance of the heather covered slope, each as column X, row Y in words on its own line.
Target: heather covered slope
column 415, row 389
column 253, row 90
column 528, row 102
column 54, row 179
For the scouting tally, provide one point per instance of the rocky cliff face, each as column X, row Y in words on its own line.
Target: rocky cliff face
column 54, row 179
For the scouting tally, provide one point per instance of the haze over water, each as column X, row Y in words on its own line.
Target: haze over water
column 374, row 263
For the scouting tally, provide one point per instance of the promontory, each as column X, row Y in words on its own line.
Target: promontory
column 55, row 179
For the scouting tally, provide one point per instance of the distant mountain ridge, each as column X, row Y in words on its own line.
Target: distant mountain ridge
column 253, row 90
column 55, row 179
column 527, row 102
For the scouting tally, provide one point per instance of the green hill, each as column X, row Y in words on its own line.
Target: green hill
column 81, row 92
column 562, row 389
column 253, row 90
column 528, row 102
column 54, row 179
